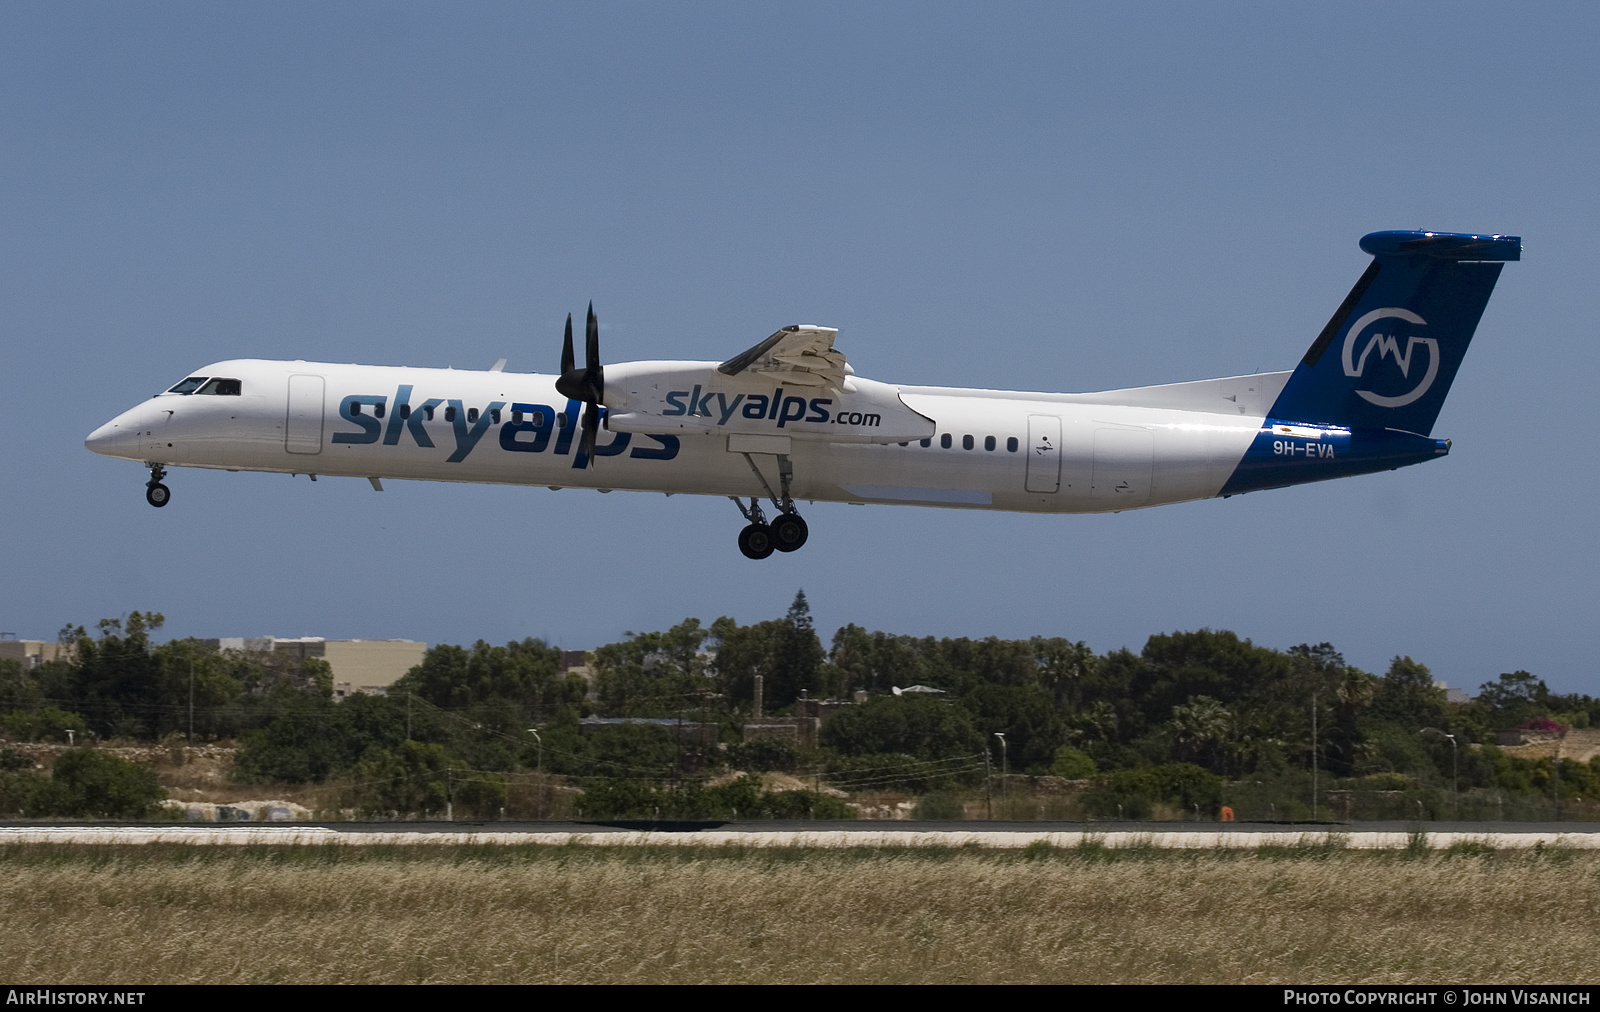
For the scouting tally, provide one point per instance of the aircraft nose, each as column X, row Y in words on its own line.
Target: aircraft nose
column 102, row 440
column 112, row 438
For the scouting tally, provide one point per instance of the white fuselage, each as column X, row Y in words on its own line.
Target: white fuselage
column 1033, row 452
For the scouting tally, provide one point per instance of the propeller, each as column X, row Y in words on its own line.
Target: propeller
column 588, row 384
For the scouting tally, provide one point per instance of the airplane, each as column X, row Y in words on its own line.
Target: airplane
column 789, row 421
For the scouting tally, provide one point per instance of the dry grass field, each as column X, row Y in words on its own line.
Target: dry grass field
column 447, row 914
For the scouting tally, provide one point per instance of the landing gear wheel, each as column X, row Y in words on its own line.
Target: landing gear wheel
column 157, row 494
column 755, row 541
column 788, row 532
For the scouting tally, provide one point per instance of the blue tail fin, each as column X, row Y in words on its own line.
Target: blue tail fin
column 1388, row 356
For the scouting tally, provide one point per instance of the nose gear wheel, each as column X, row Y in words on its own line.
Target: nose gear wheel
column 155, row 493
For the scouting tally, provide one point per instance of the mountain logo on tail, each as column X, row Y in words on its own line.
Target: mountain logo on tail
column 1397, row 344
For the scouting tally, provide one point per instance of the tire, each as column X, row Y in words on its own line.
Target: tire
column 157, row 494
column 789, row 532
column 755, row 541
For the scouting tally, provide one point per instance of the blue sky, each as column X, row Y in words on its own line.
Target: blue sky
column 1038, row 197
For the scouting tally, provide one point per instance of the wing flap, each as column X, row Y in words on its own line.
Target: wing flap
column 801, row 355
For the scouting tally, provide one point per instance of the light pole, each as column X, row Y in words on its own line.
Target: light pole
column 1314, row 757
column 1005, row 769
column 540, row 742
column 1455, row 790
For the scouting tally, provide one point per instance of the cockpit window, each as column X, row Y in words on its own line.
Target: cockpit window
column 188, row 386
column 225, row 387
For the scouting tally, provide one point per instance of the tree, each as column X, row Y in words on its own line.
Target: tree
column 785, row 652
column 1407, row 697
column 653, row 674
column 1201, row 730
column 914, row 725
column 88, row 782
column 799, row 614
column 1514, row 698
column 1065, row 669
column 417, row 777
column 1025, row 714
column 526, row 672
column 877, row 661
column 119, row 677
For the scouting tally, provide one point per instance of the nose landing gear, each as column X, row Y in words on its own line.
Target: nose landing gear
column 155, row 493
column 786, row 532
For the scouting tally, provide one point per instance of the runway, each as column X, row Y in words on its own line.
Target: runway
column 830, row 835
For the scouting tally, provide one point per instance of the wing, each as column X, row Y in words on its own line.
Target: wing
column 798, row 356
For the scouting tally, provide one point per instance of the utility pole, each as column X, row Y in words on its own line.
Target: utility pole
column 1555, row 772
column 1313, row 756
column 988, row 786
column 191, row 700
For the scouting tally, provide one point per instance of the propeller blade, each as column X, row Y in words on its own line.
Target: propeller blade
column 588, row 385
column 591, row 346
column 591, row 429
column 568, row 363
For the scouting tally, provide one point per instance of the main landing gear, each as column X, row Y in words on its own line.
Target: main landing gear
column 786, row 532
column 155, row 493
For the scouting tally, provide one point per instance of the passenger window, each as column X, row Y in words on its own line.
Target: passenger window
column 405, row 411
column 966, row 442
column 944, row 440
column 355, row 407
column 1011, row 444
column 561, row 419
column 377, row 409
column 450, row 413
column 927, row 442
column 472, row 414
column 428, row 410
column 495, row 414
column 516, row 416
column 188, row 386
column 988, row 442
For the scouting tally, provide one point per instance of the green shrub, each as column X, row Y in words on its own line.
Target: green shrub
column 1136, row 790
column 941, row 805
column 1074, row 764
column 86, row 782
column 44, row 724
column 765, row 754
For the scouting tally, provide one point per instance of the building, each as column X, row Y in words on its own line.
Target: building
column 32, row 653
column 369, row 666
column 800, row 729
column 687, row 732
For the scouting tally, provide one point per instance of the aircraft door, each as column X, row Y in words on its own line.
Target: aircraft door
column 1044, row 453
column 302, row 426
column 1123, row 462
